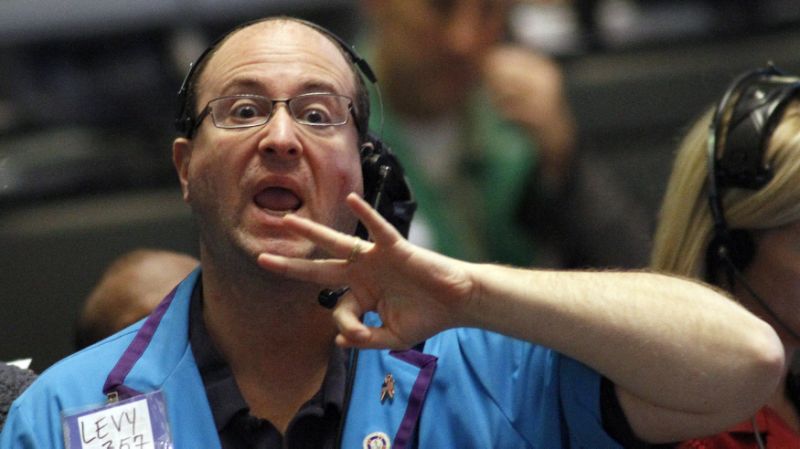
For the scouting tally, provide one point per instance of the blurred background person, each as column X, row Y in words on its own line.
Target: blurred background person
column 132, row 286
column 733, row 219
column 488, row 139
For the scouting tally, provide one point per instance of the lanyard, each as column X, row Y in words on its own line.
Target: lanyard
column 114, row 387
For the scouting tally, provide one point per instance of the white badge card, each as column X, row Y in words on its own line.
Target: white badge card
column 136, row 423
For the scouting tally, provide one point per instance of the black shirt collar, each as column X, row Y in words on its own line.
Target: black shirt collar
column 317, row 419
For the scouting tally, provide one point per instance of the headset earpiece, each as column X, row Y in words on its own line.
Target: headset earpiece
column 385, row 184
column 387, row 190
column 739, row 134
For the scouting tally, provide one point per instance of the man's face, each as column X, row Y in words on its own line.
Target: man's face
column 437, row 46
column 239, row 182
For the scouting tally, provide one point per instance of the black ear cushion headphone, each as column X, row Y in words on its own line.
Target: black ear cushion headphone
column 385, row 185
column 741, row 127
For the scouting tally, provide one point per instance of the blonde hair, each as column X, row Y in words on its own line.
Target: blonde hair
column 685, row 225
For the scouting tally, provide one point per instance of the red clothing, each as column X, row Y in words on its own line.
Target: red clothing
column 775, row 433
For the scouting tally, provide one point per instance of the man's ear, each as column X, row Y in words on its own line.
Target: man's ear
column 181, row 157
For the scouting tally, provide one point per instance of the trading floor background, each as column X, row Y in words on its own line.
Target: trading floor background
column 87, row 97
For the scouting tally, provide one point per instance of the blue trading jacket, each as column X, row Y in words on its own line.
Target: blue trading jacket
column 469, row 389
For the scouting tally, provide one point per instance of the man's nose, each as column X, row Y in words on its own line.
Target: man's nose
column 280, row 134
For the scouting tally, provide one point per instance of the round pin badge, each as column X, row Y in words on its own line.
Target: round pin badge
column 377, row 440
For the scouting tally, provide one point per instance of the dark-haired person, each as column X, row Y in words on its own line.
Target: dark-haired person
column 731, row 216
column 244, row 357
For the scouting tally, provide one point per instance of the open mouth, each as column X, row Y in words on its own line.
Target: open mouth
column 278, row 199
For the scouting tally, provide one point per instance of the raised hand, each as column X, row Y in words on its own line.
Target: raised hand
column 416, row 292
column 528, row 88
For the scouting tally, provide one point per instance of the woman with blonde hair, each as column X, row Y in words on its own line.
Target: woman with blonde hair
column 731, row 216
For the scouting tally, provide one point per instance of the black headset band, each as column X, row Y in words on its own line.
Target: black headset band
column 739, row 134
column 741, row 127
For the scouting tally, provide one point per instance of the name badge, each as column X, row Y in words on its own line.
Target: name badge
column 136, row 423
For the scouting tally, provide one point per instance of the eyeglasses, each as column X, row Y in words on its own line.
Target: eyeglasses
column 245, row 111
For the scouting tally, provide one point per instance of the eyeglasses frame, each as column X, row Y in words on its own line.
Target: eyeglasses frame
column 207, row 110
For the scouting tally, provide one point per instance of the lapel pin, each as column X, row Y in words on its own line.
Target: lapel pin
column 377, row 440
column 387, row 389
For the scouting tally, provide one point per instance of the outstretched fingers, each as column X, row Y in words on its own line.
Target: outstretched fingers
column 337, row 244
column 344, row 248
column 323, row 272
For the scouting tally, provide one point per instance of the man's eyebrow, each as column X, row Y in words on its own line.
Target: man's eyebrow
column 241, row 84
column 251, row 85
column 319, row 86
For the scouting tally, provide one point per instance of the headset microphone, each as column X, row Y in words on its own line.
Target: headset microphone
column 328, row 298
column 738, row 276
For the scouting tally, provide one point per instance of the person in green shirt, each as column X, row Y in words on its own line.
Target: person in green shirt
column 482, row 126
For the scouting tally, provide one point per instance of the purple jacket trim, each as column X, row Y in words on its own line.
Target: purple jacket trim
column 116, row 378
column 427, row 365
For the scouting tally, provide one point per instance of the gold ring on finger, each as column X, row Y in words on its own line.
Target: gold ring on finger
column 355, row 252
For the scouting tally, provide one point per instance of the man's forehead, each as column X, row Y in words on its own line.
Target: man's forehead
column 275, row 26
column 286, row 31
column 282, row 39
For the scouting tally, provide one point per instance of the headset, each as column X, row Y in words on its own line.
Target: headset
column 741, row 127
column 385, row 185
column 740, row 130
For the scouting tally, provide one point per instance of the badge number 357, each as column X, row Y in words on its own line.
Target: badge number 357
column 122, row 427
column 129, row 424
